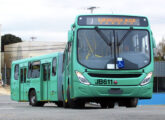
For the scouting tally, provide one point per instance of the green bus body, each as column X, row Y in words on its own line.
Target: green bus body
column 108, row 59
column 37, row 74
column 113, row 84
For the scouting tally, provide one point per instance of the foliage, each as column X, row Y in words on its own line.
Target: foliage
column 160, row 51
column 9, row 39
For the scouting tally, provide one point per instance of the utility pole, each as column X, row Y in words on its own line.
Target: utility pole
column 92, row 9
column 33, row 38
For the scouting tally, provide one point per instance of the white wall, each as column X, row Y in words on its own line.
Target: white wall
column 30, row 49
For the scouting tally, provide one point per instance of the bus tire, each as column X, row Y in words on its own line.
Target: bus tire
column 111, row 105
column 132, row 102
column 78, row 104
column 70, row 104
column 59, row 103
column 33, row 99
column 104, row 105
column 41, row 104
column 65, row 103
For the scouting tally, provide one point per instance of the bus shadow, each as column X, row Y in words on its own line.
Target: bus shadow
column 84, row 108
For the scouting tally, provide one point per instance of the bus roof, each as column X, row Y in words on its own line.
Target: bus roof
column 36, row 58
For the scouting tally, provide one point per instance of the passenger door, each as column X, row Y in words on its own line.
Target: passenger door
column 45, row 80
column 15, row 83
column 22, row 83
column 53, row 96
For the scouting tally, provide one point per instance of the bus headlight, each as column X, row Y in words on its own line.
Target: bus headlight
column 82, row 79
column 146, row 79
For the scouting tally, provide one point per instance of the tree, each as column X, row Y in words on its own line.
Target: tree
column 161, row 51
column 9, row 39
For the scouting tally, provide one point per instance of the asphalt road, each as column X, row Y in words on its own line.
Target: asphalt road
column 10, row 110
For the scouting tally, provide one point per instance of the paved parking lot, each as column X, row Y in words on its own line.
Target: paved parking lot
column 10, row 110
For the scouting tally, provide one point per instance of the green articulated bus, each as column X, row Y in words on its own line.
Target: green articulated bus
column 37, row 80
column 107, row 59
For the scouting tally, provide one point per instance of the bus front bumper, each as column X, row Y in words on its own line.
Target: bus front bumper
column 89, row 91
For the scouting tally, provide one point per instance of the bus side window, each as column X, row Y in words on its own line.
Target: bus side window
column 54, row 63
column 16, row 72
column 35, row 69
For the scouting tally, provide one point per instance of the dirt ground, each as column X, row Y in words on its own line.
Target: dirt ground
column 5, row 90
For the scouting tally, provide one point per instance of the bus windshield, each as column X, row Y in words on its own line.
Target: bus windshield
column 100, row 49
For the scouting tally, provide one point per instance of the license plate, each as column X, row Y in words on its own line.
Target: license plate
column 115, row 91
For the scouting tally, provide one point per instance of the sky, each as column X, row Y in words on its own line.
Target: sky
column 50, row 20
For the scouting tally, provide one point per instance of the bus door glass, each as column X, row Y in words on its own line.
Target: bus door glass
column 22, row 83
column 15, row 83
column 45, row 80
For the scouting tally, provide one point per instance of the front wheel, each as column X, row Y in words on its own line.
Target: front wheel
column 74, row 103
column 111, row 105
column 132, row 102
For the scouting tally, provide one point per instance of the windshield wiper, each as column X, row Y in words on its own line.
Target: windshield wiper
column 123, row 38
column 103, row 36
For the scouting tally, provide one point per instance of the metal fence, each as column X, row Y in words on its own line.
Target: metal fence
column 159, row 77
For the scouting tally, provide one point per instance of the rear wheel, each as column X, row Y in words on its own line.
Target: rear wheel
column 59, row 103
column 104, row 105
column 41, row 104
column 132, row 102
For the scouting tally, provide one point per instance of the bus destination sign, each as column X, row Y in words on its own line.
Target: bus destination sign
column 112, row 21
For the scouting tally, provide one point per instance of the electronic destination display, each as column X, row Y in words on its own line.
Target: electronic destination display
column 107, row 20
